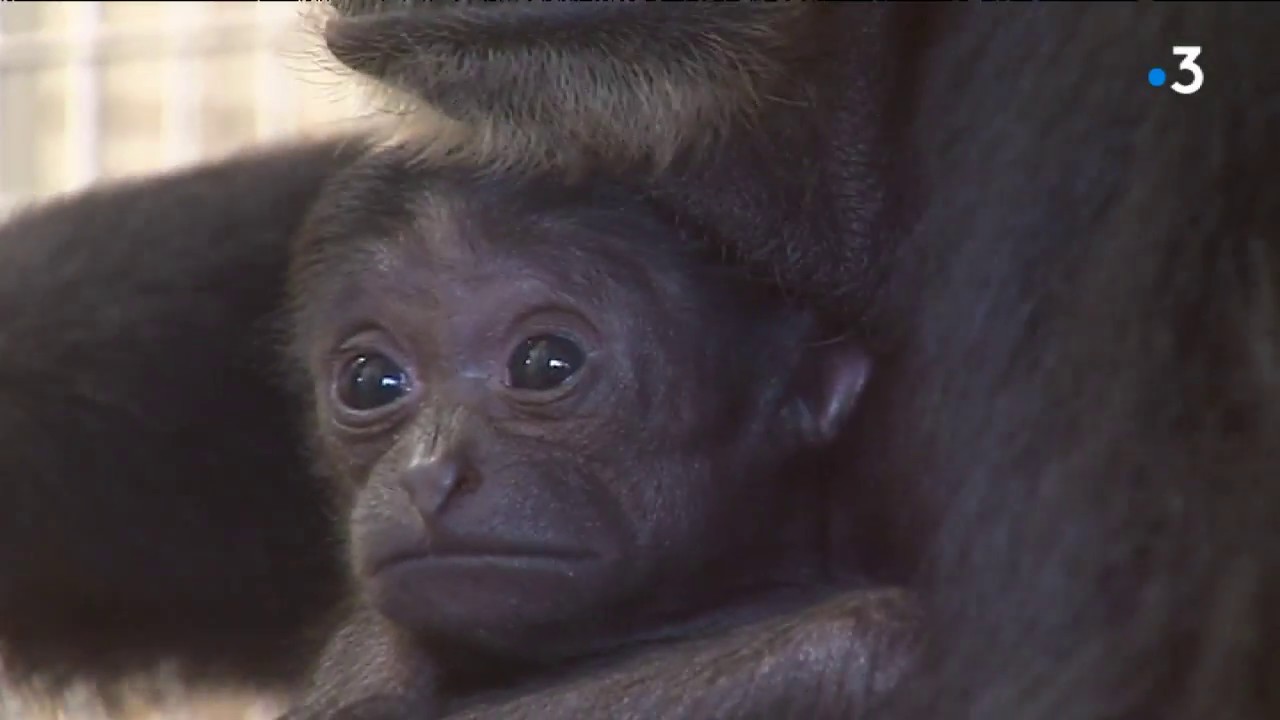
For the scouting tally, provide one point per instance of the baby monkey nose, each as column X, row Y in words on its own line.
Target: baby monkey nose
column 430, row 484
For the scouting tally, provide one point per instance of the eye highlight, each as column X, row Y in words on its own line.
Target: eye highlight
column 370, row 381
column 544, row 362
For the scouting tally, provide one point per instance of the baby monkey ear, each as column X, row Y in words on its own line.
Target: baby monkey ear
column 826, row 389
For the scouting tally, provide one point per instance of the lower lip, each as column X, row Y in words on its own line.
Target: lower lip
column 476, row 596
column 486, row 579
column 543, row 562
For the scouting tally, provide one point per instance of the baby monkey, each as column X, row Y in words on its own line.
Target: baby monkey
column 576, row 442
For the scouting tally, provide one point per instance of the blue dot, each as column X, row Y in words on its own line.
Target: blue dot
column 1155, row 77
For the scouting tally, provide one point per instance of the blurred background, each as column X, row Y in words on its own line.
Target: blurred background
column 95, row 90
column 92, row 90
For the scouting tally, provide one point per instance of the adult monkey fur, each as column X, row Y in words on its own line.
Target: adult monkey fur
column 1071, row 435
column 155, row 502
column 576, row 440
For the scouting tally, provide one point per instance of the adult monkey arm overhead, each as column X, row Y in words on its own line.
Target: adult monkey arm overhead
column 1073, row 277
column 155, row 503
column 702, row 98
column 837, row 659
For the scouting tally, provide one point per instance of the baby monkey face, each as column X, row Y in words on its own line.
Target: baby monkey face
column 550, row 413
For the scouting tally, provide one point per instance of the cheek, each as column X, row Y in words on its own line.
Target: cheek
column 383, row 523
column 358, row 459
column 692, row 496
column 383, row 519
column 667, row 502
column 335, row 454
column 336, row 460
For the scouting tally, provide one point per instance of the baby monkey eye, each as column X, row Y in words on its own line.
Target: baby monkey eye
column 370, row 380
column 544, row 362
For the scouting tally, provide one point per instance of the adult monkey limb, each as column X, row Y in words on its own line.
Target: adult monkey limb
column 155, row 504
column 704, row 95
column 838, row 660
column 1077, row 397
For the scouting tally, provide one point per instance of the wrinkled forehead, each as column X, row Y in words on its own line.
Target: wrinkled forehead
column 442, row 233
column 388, row 225
column 454, row 247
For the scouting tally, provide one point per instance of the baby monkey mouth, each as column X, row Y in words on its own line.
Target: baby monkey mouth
column 449, row 548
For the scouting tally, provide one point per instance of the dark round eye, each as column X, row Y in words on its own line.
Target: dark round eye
column 544, row 362
column 371, row 381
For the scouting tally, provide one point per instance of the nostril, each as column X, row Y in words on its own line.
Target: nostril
column 465, row 481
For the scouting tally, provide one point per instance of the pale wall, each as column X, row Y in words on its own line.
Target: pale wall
column 104, row 89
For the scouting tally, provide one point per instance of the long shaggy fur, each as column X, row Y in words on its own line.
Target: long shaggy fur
column 154, row 504
column 517, row 86
column 1074, row 424
column 714, row 111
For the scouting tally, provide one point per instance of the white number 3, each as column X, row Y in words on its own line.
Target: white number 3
column 1189, row 53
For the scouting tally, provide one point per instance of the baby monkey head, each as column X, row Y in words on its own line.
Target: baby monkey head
column 564, row 423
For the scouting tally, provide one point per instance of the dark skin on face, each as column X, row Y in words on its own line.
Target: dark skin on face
column 571, row 436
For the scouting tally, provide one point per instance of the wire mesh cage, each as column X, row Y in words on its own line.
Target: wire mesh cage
column 96, row 90
column 92, row 90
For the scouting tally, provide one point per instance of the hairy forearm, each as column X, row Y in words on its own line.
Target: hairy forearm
column 833, row 660
column 368, row 671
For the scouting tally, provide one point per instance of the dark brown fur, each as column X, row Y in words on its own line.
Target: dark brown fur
column 498, row 97
column 780, row 160
column 1072, row 277
column 155, row 504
